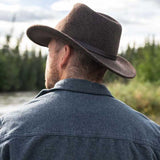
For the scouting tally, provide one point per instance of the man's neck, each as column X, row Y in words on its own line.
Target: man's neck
column 81, row 77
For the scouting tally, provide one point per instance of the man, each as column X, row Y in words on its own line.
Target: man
column 76, row 117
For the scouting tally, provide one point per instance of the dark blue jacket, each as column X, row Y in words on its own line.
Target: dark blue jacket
column 78, row 120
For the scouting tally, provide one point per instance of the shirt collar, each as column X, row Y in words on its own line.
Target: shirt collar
column 78, row 85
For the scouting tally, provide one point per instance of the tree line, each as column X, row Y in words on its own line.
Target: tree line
column 20, row 71
column 145, row 59
column 25, row 71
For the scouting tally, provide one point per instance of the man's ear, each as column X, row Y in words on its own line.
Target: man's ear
column 65, row 56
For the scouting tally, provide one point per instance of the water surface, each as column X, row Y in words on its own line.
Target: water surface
column 10, row 101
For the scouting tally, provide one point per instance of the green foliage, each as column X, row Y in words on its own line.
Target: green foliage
column 20, row 71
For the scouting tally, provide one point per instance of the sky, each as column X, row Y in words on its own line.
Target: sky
column 139, row 18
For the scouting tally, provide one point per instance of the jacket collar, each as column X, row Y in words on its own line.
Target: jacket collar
column 78, row 85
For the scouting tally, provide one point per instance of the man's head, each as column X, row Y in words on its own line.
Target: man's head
column 95, row 34
column 64, row 61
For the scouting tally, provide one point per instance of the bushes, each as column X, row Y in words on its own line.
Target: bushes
column 142, row 96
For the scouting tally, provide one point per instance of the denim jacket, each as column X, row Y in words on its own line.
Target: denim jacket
column 78, row 120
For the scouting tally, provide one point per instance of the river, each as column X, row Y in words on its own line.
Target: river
column 12, row 100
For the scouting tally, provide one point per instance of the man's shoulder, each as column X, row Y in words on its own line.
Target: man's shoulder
column 137, row 125
column 36, row 117
column 133, row 116
column 25, row 118
column 107, row 118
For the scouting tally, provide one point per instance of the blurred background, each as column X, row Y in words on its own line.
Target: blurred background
column 22, row 63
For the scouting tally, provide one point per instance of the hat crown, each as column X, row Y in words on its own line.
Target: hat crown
column 93, row 28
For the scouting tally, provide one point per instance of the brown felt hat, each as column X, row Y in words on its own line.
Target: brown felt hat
column 95, row 34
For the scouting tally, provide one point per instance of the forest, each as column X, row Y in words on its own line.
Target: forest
column 20, row 71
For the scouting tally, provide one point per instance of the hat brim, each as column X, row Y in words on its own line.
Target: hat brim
column 42, row 35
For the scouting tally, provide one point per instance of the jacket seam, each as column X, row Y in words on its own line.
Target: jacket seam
column 137, row 141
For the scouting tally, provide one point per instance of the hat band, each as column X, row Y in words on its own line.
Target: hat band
column 97, row 51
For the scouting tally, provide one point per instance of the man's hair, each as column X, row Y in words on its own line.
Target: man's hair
column 83, row 64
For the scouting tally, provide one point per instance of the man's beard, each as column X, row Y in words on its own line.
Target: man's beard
column 52, row 76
